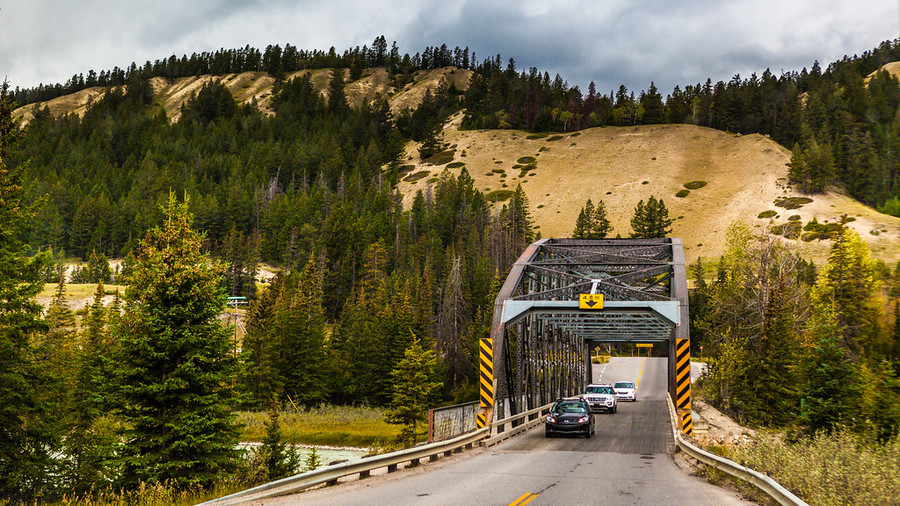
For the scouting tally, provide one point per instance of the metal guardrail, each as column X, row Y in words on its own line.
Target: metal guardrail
column 755, row 478
column 332, row 473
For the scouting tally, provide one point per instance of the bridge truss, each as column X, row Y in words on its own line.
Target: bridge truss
column 543, row 330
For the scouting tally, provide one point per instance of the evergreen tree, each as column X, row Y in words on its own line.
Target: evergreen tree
column 89, row 446
column 600, row 225
column 26, row 440
column 298, row 333
column 848, row 278
column 651, row 220
column 414, row 389
column 175, row 362
column 774, row 367
column 830, row 377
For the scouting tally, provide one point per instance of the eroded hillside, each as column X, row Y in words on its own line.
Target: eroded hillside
column 744, row 175
column 247, row 86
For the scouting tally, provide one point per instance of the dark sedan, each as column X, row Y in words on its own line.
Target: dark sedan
column 570, row 416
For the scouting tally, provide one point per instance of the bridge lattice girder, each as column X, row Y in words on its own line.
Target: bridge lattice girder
column 541, row 338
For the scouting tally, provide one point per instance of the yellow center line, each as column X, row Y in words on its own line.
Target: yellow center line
column 639, row 373
column 524, row 499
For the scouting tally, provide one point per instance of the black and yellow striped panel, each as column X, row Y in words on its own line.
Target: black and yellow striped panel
column 683, row 373
column 687, row 423
column 486, row 353
column 480, row 419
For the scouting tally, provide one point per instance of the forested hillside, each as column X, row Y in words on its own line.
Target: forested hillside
column 312, row 161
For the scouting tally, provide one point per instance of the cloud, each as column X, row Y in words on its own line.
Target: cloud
column 611, row 42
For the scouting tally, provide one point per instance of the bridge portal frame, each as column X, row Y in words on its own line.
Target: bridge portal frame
column 541, row 337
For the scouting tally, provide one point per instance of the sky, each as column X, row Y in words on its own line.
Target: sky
column 609, row 42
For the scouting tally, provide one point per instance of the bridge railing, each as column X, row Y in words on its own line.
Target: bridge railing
column 771, row 487
column 330, row 475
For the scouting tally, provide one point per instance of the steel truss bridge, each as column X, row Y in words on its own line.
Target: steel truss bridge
column 562, row 297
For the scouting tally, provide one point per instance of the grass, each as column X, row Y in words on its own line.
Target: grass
column 695, row 185
column 767, row 214
column 828, row 469
column 359, row 427
column 158, row 494
column 80, row 290
column 682, row 193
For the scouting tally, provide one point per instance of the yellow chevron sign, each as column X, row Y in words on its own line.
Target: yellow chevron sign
column 590, row 301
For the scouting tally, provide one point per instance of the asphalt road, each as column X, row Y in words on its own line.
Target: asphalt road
column 628, row 461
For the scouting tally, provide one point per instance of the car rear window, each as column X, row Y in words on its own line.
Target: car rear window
column 599, row 390
column 571, row 408
column 624, row 384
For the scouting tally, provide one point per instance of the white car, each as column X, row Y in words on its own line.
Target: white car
column 601, row 397
column 625, row 390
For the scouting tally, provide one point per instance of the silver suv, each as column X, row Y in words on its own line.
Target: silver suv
column 601, row 397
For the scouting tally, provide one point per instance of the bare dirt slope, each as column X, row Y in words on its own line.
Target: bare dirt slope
column 623, row 165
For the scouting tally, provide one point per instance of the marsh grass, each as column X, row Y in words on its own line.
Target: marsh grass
column 360, row 427
column 835, row 469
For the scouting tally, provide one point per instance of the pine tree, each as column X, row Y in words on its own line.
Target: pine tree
column 600, row 225
column 89, row 447
column 299, row 332
column 414, row 389
column 175, row 362
column 26, row 443
column 830, row 388
column 651, row 220
column 581, row 225
column 848, row 278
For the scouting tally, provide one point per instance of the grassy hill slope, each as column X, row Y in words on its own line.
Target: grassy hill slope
column 247, row 86
column 619, row 165
column 745, row 175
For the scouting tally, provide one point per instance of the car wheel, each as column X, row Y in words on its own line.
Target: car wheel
column 615, row 408
column 547, row 433
column 589, row 433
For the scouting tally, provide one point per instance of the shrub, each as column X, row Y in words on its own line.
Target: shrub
column 792, row 202
column 455, row 165
column 790, row 230
column 417, row 176
column 766, row 214
column 682, row 193
column 537, row 136
column 794, row 217
column 499, row 195
column 527, row 160
column 554, row 138
column 442, row 157
column 835, row 468
column 695, row 185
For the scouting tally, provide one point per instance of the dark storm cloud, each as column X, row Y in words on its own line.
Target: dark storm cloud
column 611, row 42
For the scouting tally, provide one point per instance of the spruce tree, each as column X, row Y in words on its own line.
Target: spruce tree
column 25, row 443
column 298, row 333
column 651, row 220
column 89, row 447
column 175, row 362
column 599, row 222
column 414, row 390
